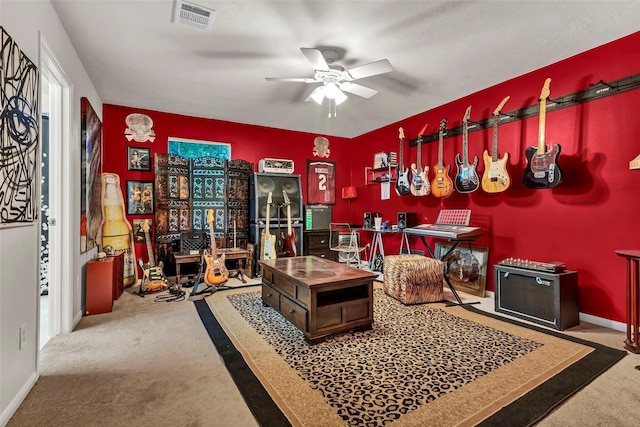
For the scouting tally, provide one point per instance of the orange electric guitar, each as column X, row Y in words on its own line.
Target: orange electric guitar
column 441, row 186
column 216, row 272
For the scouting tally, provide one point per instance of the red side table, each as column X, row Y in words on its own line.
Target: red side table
column 633, row 295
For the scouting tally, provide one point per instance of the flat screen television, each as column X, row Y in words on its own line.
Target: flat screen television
column 317, row 217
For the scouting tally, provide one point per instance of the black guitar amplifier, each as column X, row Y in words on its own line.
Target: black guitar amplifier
column 549, row 299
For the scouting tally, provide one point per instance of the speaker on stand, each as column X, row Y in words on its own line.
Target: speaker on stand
column 368, row 219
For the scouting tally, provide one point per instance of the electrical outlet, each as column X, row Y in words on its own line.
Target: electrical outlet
column 23, row 337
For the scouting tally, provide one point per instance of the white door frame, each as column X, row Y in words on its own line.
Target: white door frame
column 60, row 172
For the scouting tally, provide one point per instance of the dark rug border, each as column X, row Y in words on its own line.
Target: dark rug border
column 264, row 409
column 525, row 411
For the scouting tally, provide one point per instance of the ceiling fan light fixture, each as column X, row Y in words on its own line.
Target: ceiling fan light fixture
column 317, row 95
column 331, row 91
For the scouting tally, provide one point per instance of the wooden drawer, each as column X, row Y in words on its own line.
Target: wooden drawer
column 323, row 253
column 271, row 297
column 294, row 313
column 318, row 240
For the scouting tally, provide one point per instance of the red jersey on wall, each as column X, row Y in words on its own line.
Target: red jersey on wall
column 321, row 183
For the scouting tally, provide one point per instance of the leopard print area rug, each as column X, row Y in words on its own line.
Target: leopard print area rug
column 419, row 365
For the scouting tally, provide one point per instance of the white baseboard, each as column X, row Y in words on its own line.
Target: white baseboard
column 18, row 399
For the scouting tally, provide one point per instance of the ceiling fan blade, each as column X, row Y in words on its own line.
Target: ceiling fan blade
column 374, row 68
column 314, row 56
column 291, row 79
column 357, row 89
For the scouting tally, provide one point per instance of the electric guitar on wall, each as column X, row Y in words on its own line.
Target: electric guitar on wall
column 542, row 169
column 402, row 184
column 495, row 178
column 419, row 180
column 467, row 179
column 289, row 241
column 268, row 240
column 153, row 278
column 216, row 272
column 441, row 186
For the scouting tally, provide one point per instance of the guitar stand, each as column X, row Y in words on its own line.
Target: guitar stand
column 208, row 290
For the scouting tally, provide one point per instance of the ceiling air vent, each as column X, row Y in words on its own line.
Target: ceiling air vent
column 193, row 15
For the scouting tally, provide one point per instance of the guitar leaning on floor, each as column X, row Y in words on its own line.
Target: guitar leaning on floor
column 467, row 180
column 153, row 278
column 542, row 168
column 289, row 248
column 419, row 180
column 495, row 178
column 441, row 186
column 268, row 240
column 216, row 272
column 403, row 187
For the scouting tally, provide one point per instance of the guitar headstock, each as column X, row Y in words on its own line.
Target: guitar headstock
column 286, row 198
column 545, row 89
column 443, row 125
column 210, row 216
column 269, row 198
column 145, row 225
column 498, row 109
column 401, row 133
column 467, row 114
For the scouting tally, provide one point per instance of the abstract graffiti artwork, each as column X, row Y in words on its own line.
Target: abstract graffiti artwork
column 91, row 182
column 19, row 134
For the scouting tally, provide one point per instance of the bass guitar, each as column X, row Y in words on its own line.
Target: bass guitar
column 467, row 179
column 542, row 169
column 216, row 272
column 441, row 186
column 419, row 180
column 495, row 178
column 402, row 184
column 153, row 278
column 289, row 248
column 268, row 240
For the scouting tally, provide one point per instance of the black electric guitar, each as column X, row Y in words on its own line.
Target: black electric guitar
column 495, row 178
column 289, row 248
column 153, row 278
column 542, row 167
column 216, row 272
column 419, row 181
column 403, row 187
column 467, row 179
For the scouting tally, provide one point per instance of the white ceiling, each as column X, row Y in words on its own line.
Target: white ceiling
column 440, row 51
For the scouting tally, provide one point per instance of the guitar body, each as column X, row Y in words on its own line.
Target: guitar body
column 441, row 185
column 289, row 248
column 403, row 186
column 542, row 169
column 216, row 272
column 495, row 178
column 153, row 278
column 268, row 245
column 467, row 179
column 419, row 183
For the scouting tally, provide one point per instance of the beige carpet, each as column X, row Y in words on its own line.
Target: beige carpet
column 435, row 341
column 153, row 364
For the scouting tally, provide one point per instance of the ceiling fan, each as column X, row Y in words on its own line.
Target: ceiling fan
column 334, row 78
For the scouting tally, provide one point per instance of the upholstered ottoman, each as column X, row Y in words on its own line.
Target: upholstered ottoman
column 413, row 279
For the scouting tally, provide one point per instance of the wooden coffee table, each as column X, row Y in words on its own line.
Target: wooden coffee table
column 320, row 297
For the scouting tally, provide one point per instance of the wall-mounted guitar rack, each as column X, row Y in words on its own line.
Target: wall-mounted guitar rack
column 597, row 90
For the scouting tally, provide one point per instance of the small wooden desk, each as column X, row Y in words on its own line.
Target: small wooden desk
column 633, row 298
column 240, row 255
column 320, row 297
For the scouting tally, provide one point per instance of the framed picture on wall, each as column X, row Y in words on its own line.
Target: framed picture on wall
column 138, row 229
column 321, row 182
column 139, row 159
column 139, row 197
column 466, row 267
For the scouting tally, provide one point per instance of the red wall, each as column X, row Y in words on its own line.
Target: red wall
column 580, row 222
column 591, row 213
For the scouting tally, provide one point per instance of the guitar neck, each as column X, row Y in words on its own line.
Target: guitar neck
column 543, row 117
column 419, row 151
column 440, row 149
column 214, row 253
column 494, row 147
column 149, row 249
column 465, row 144
column 289, row 220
